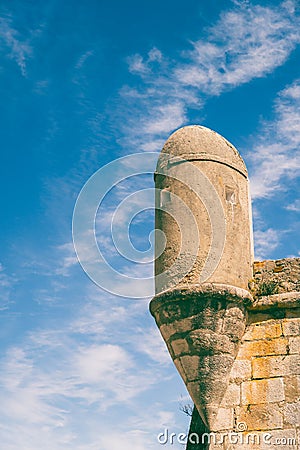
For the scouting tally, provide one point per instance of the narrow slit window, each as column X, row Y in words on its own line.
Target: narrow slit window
column 165, row 197
column 230, row 195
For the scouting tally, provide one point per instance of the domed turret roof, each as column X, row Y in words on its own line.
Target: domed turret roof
column 195, row 142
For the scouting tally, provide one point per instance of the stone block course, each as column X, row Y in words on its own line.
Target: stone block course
column 292, row 388
column 291, row 327
column 241, row 370
column 294, row 344
column 179, row 347
column 264, row 347
column 262, row 391
column 264, row 330
column 292, row 414
column 232, row 396
column 260, row 417
column 275, row 366
column 224, row 420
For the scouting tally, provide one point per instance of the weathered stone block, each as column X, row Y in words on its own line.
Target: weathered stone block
column 262, row 391
column 178, row 327
column 179, row 347
column 294, row 344
column 211, row 320
column 292, row 414
column 292, row 388
column 242, row 441
column 234, row 327
column 233, row 310
column 191, row 364
column 275, row 366
column 208, row 342
column 291, row 327
column 224, row 420
column 263, row 347
column 207, row 393
column 241, row 370
column 264, row 330
column 232, row 396
column 260, row 417
column 279, row 439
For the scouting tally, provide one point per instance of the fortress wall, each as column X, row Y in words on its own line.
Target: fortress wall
column 272, row 277
column 262, row 400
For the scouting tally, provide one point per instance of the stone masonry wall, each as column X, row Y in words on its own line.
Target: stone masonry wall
column 262, row 401
column 272, row 277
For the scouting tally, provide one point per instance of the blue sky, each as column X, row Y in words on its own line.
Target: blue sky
column 84, row 83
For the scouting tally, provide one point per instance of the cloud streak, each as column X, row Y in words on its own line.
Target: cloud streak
column 19, row 50
column 276, row 156
column 104, row 362
column 247, row 42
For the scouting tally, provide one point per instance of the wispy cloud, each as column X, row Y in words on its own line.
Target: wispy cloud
column 295, row 206
column 266, row 241
column 7, row 283
column 249, row 41
column 246, row 43
column 82, row 59
column 52, row 383
column 276, row 156
column 17, row 48
column 151, row 343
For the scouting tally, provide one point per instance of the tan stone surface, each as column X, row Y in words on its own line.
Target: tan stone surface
column 264, row 347
column 276, row 366
column 291, row 327
column 261, row 417
column 294, row 344
column 264, row 330
column 241, row 370
column 292, row 414
column 179, row 347
column 262, row 391
column 188, row 153
column 224, row 420
column 204, row 320
column 232, row 396
column 292, row 388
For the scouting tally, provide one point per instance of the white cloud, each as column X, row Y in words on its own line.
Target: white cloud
column 40, row 393
column 167, row 118
column 68, row 259
column 142, row 66
column 265, row 242
column 82, row 59
column 246, row 43
column 249, row 41
column 7, row 283
column 19, row 49
column 276, row 156
column 295, row 206
column 151, row 343
column 65, row 390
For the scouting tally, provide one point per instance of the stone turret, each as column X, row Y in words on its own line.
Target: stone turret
column 201, row 312
column 204, row 171
column 216, row 313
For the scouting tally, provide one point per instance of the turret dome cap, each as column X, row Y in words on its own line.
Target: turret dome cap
column 195, row 142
